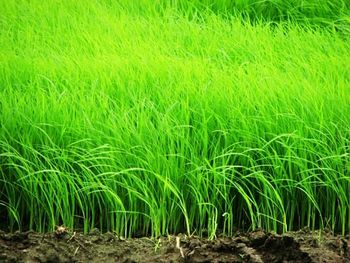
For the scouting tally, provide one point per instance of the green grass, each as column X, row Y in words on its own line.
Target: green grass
column 145, row 117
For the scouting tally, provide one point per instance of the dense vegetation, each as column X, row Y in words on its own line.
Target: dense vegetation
column 156, row 117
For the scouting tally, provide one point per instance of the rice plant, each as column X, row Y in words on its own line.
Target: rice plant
column 159, row 117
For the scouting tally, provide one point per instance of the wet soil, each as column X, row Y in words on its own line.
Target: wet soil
column 254, row 247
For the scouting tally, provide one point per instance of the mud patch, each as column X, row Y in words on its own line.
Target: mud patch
column 253, row 247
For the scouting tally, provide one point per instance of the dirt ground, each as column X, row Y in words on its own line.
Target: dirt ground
column 254, row 247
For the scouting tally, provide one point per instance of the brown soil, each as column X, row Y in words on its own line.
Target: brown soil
column 254, row 247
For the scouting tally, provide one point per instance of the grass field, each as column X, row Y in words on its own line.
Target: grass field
column 158, row 117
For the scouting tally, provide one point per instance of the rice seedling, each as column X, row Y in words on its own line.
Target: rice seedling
column 159, row 117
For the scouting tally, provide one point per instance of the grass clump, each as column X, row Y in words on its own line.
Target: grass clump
column 154, row 122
